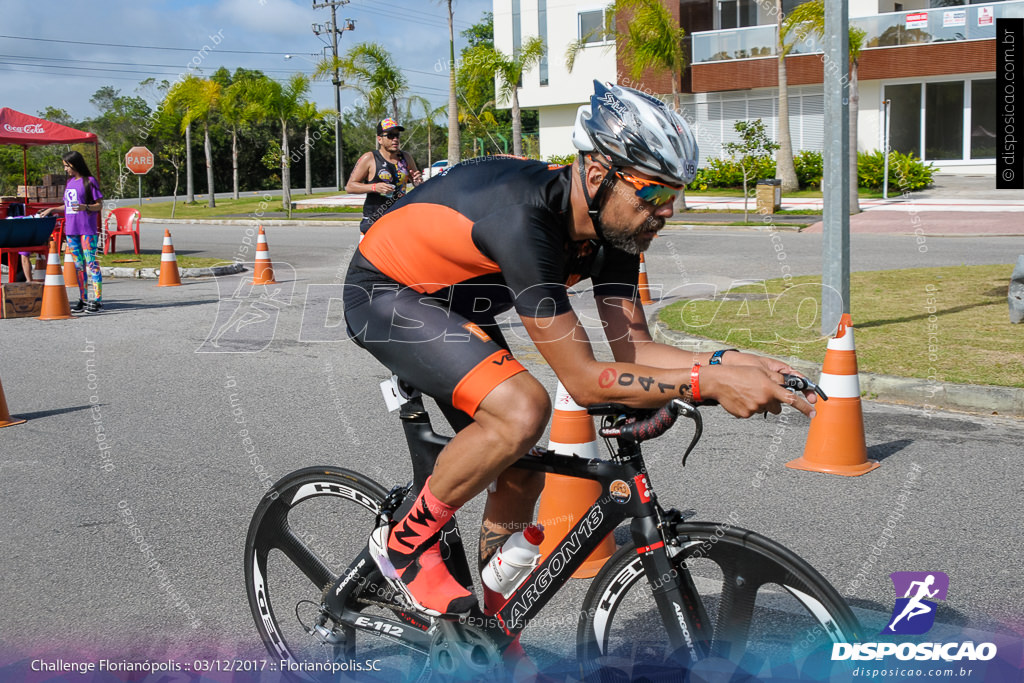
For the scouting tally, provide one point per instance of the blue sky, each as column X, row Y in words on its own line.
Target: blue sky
column 38, row 71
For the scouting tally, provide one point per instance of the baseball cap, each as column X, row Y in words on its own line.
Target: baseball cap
column 388, row 124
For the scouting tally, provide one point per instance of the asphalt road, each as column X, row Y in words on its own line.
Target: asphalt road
column 171, row 377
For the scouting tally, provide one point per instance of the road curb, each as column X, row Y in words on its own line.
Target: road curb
column 927, row 394
column 249, row 221
column 154, row 273
column 768, row 227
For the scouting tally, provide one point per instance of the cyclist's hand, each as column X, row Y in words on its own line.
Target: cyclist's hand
column 746, row 390
column 771, row 365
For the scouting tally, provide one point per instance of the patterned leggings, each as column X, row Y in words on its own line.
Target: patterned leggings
column 83, row 248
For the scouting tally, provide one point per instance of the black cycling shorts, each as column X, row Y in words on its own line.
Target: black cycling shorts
column 419, row 338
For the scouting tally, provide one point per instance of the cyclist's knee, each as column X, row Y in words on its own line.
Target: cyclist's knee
column 530, row 410
column 517, row 411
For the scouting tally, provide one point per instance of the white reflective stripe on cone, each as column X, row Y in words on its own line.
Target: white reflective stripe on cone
column 54, row 281
column 167, row 242
column 168, row 256
column 583, row 450
column 563, row 400
column 53, row 259
column 262, row 256
column 844, row 343
column 840, row 386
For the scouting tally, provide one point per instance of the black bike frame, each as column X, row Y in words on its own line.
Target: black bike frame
column 628, row 494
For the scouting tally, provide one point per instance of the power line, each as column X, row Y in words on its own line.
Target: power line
column 436, row 19
column 98, row 61
column 145, row 47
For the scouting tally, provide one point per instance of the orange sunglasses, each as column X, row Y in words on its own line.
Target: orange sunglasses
column 653, row 192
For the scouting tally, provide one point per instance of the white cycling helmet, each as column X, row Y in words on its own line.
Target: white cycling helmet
column 637, row 131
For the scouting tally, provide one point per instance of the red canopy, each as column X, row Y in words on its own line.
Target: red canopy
column 26, row 130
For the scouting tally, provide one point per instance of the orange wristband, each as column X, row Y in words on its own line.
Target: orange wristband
column 695, row 382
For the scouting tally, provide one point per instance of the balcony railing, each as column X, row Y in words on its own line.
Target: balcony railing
column 915, row 27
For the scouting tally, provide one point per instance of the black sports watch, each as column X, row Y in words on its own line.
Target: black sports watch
column 716, row 357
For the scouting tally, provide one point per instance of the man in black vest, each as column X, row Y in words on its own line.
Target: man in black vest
column 383, row 173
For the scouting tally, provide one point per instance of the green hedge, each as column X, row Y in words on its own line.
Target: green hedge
column 906, row 172
column 564, row 159
column 809, row 168
column 727, row 173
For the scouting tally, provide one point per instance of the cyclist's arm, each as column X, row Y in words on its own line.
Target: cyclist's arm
column 561, row 339
column 630, row 339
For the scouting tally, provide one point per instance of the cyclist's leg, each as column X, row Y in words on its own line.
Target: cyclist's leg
column 510, row 506
column 437, row 352
column 513, row 497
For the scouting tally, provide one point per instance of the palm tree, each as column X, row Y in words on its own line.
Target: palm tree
column 178, row 101
column 236, row 111
column 382, row 83
column 454, row 140
column 199, row 98
column 480, row 124
column 785, row 169
column 308, row 115
column 282, row 103
column 509, row 71
column 429, row 114
column 652, row 39
column 809, row 18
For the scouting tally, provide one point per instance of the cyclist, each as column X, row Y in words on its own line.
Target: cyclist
column 489, row 235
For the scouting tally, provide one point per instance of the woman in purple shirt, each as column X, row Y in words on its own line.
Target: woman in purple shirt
column 82, row 205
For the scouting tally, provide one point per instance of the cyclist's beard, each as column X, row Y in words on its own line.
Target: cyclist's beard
column 631, row 240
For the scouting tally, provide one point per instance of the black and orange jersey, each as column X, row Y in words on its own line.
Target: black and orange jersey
column 494, row 230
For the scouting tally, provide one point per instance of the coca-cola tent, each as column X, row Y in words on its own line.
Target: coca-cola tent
column 27, row 131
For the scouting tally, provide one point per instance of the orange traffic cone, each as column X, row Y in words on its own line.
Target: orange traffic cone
column 169, row 276
column 263, row 269
column 5, row 415
column 55, row 296
column 835, row 441
column 565, row 500
column 39, row 270
column 645, row 287
column 70, row 271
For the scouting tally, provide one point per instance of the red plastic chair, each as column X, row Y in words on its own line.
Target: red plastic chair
column 126, row 222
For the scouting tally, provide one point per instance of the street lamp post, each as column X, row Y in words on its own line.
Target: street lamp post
column 332, row 28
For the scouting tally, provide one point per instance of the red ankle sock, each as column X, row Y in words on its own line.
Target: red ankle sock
column 424, row 519
column 416, row 554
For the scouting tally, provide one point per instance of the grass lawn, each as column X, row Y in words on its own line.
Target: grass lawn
column 948, row 323
column 147, row 259
column 250, row 204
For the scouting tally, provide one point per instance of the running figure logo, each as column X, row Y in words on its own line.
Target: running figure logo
column 914, row 613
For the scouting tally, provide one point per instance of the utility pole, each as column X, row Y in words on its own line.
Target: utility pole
column 332, row 28
column 835, row 281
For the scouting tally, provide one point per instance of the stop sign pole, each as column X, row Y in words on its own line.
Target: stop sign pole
column 139, row 161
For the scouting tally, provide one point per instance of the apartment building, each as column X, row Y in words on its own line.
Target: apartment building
column 934, row 60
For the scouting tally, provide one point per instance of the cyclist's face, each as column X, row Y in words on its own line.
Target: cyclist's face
column 628, row 222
